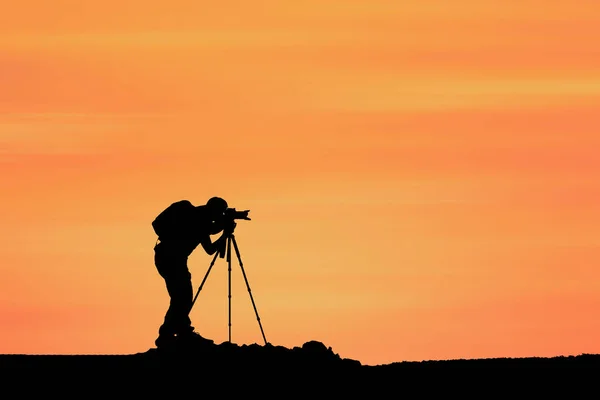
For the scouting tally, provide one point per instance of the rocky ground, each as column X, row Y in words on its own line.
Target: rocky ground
column 312, row 368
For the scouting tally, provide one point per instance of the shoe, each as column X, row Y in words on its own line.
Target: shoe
column 194, row 339
column 165, row 341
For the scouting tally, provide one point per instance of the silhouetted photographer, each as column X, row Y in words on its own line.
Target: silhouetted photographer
column 181, row 227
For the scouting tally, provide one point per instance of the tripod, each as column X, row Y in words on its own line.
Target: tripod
column 221, row 252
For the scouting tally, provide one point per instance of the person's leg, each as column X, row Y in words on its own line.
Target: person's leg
column 179, row 286
column 177, row 319
column 173, row 268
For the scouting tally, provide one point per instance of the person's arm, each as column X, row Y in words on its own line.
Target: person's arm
column 209, row 246
column 212, row 247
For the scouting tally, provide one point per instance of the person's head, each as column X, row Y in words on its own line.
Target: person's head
column 216, row 207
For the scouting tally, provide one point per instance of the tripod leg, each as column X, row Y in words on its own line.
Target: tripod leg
column 229, row 281
column 237, row 252
column 204, row 280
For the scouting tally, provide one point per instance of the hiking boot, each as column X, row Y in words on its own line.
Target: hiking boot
column 194, row 339
column 165, row 341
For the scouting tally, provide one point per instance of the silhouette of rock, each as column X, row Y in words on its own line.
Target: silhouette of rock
column 311, row 356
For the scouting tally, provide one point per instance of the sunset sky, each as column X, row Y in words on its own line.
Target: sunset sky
column 423, row 176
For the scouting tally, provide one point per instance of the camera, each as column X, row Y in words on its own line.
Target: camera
column 232, row 214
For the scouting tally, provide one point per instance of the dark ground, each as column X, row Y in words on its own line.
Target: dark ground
column 312, row 368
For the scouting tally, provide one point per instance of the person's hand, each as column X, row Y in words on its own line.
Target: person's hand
column 221, row 245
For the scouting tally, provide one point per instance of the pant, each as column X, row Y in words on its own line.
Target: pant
column 172, row 266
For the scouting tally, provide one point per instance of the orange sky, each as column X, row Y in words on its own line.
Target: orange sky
column 422, row 177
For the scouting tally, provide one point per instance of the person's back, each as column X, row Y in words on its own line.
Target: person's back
column 182, row 227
